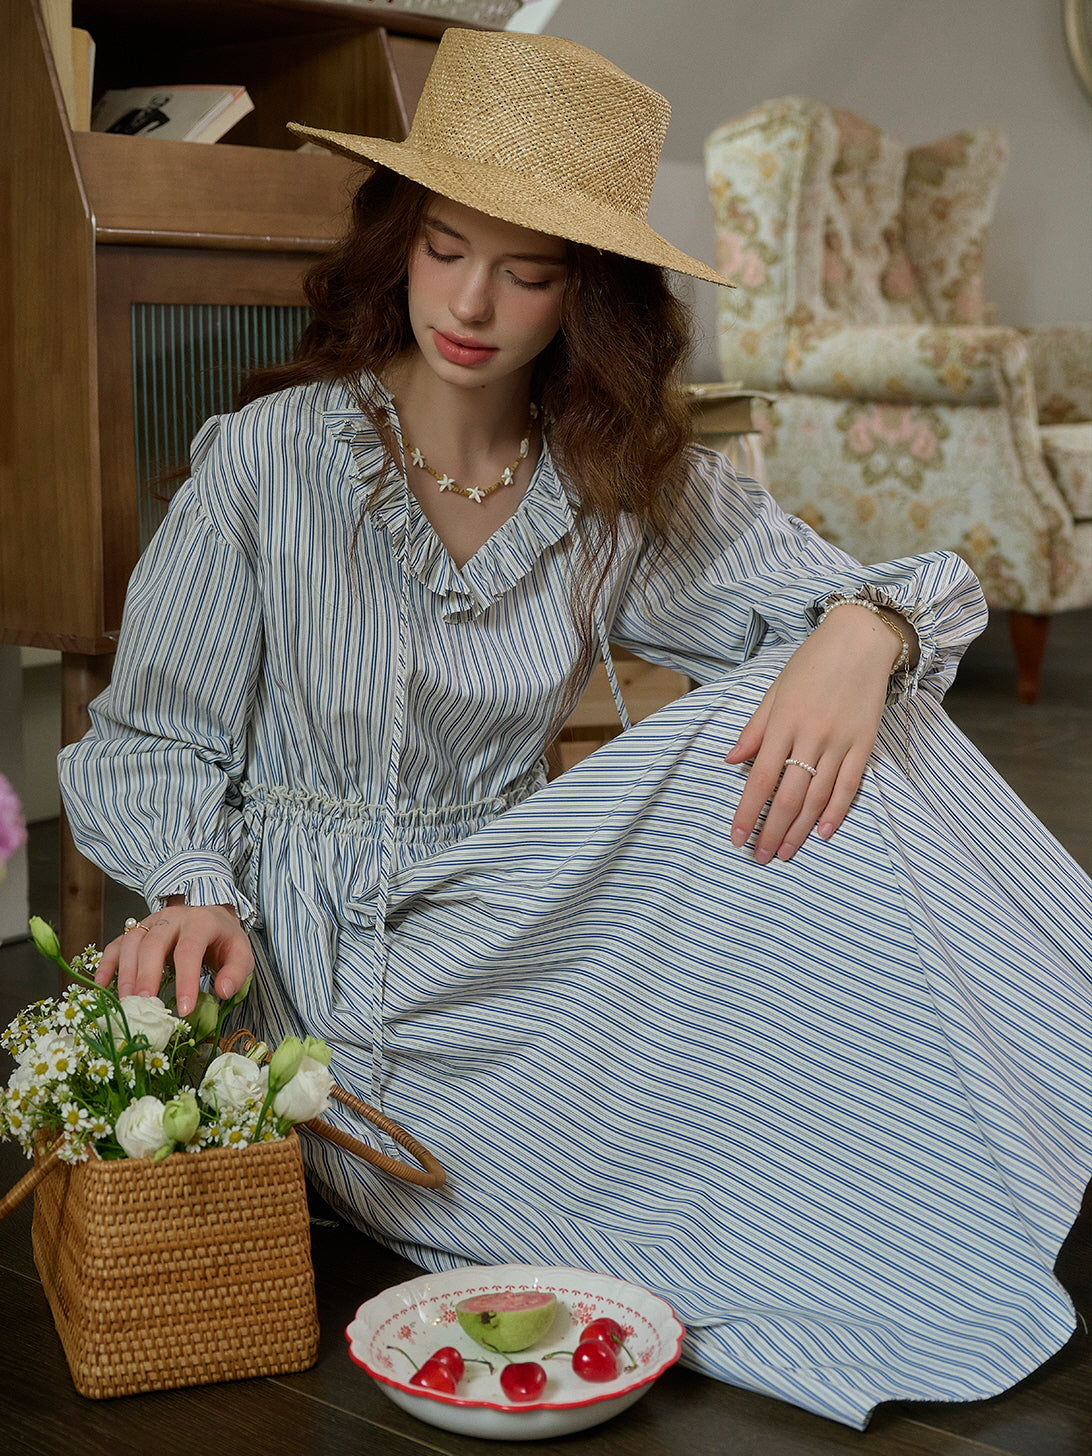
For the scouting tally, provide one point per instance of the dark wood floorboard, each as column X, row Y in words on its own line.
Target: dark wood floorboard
column 1046, row 753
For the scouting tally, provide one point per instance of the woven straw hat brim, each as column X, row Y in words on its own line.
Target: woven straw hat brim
column 515, row 198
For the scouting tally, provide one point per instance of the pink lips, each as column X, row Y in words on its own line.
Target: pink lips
column 461, row 351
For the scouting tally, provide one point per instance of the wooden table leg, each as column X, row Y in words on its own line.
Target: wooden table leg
column 1028, row 632
column 82, row 678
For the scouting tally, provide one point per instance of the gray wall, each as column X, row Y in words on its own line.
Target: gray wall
column 920, row 68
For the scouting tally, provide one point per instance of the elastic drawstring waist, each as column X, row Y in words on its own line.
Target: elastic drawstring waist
column 281, row 801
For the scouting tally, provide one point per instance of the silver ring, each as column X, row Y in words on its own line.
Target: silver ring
column 132, row 924
column 799, row 762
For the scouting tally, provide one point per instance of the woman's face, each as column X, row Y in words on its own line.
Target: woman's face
column 484, row 295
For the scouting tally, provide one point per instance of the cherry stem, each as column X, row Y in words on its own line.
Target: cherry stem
column 629, row 1354
column 631, row 1366
column 468, row 1360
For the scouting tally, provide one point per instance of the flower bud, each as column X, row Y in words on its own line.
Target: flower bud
column 181, row 1117
column 204, row 1017
column 317, row 1049
column 240, row 995
column 45, row 938
column 286, row 1062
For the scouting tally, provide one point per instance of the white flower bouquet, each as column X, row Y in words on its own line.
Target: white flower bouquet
column 106, row 1091
column 127, row 1077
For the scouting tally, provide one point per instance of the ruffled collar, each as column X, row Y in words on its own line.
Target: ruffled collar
column 543, row 517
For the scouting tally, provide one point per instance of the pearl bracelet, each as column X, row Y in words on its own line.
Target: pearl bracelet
column 839, row 600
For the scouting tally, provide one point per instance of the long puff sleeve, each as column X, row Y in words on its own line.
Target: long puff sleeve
column 148, row 790
column 746, row 574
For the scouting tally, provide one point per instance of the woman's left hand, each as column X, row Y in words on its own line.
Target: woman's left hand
column 823, row 710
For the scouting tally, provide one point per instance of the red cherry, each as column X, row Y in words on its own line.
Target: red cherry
column 604, row 1329
column 450, row 1358
column 525, row 1381
column 595, row 1360
column 433, row 1375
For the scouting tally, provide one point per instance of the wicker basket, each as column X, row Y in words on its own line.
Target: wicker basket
column 190, row 1271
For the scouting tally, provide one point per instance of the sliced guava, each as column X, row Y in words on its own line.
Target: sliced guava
column 513, row 1319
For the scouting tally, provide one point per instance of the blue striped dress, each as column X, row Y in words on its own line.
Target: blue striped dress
column 836, row 1110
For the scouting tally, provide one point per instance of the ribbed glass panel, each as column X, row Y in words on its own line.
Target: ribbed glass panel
column 188, row 360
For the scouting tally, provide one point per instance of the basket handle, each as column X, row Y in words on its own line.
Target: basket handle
column 29, row 1181
column 430, row 1174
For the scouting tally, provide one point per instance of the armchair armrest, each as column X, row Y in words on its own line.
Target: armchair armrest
column 1061, row 362
column 914, row 364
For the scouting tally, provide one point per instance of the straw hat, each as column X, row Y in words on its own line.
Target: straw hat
column 537, row 131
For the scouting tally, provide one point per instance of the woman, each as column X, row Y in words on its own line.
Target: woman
column 758, row 1006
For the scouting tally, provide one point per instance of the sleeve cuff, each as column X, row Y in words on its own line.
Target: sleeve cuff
column 203, row 879
column 903, row 604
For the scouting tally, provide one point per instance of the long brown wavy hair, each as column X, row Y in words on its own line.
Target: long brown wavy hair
column 608, row 385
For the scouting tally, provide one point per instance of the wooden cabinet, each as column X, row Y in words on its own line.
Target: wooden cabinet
column 108, row 241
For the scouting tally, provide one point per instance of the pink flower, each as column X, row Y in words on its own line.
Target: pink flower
column 744, row 268
column 13, row 830
column 893, row 427
column 967, row 305
column 898, row 279
column 924, row 444
column 859, row 436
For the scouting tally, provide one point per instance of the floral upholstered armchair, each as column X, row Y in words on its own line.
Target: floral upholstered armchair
column 904, row 419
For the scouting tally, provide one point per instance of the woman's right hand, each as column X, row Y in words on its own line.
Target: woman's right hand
column 191, row 937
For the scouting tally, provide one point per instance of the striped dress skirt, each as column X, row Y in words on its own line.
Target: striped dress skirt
column 835, row 1110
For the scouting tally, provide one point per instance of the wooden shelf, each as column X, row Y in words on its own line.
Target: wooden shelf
column 183, row 194
column 140, row 23
column 339, row 66
column 107, row 222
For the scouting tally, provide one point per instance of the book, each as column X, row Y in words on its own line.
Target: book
column 73, row 53
column 723, row 409
column 174, row 113
column 83, row 68
column 57, row 19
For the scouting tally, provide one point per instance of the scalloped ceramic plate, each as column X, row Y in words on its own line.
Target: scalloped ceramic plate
column 419, row 1318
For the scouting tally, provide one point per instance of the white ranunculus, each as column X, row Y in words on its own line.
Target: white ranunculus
column 232, row 1081
column 307, row 1094
column 139, row 1129
column 147, row 1016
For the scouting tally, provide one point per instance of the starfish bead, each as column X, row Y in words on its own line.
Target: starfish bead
column 446, row 482
column 417, row 458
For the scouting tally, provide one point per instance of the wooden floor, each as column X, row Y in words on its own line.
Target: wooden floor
column 1046, row 752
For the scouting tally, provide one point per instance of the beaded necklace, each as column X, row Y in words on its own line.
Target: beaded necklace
column 473, row 492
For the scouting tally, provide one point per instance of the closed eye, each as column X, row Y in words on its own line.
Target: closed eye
column 524, row 283
column 440, row 257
